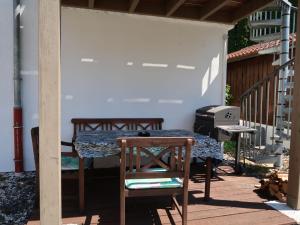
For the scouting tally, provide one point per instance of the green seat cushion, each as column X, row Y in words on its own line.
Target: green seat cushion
column 72, row 163
column 153, row 183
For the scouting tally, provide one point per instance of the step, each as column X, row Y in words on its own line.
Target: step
column 275, row 138
column 290, row 85
column 287, row 124
column 276, row 62
column 287, row 110
column 291, row 73
column 286, row 136
column 288, row 97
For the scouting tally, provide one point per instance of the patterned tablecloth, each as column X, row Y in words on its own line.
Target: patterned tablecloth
column 98, row 144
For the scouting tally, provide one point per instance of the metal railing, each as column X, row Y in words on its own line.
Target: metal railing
column 259, row 111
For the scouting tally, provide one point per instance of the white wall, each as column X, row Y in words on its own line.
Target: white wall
column 6, row 86
column 108, row 87
column 29, row 74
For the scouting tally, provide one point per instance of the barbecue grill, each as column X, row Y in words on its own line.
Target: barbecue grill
column 210, row 117
column 222, row 124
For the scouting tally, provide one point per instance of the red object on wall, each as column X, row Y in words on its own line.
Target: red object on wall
column 18, row 139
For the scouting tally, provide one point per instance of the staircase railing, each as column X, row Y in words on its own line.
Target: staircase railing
column 259, row 110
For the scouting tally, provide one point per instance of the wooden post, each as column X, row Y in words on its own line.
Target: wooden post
column 49, row 111
column 293, row 199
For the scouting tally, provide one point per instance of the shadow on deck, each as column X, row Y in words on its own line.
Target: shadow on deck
column 233, row 201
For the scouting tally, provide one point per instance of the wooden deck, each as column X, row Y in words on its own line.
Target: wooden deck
column 233, row 202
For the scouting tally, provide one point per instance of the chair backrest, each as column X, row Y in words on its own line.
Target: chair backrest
column 155, row 148
column 35, row 147
column 94, row 124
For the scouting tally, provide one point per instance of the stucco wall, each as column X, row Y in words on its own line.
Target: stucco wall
column 6, row 85
column 118, row 65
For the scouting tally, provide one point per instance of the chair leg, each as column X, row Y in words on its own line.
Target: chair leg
column 173, row 206
column 122, row 209
column 37, row 192
column 184, row 206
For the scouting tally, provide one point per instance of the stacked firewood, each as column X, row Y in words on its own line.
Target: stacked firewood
column 275, row 185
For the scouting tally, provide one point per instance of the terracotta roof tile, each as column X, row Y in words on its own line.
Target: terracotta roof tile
column 253, row 50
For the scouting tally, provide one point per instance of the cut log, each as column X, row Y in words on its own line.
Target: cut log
column 283, row 176
column 275, row 185
column 271, row 191
column 284, row 187
column 280, row 196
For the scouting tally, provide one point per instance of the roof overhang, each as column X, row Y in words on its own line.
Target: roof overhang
column 219, row 11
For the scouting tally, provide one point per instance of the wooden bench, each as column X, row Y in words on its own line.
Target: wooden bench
column 94, row 124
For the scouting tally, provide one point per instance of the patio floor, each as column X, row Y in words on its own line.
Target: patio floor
column 233, row 202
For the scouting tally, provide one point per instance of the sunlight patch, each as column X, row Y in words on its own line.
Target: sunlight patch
column 284, row 209
column 155, row 65
column 185, row 67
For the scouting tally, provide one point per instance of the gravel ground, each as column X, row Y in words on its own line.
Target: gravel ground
column 258, row 170
column 17, row 197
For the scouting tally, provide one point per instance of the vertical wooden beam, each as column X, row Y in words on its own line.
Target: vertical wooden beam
column 173, row 5
column 212, row 7
column 49, row 111
column 293, row 199
column 91, row 4
column 133, row 5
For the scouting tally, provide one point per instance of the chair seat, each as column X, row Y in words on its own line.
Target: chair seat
column 72, row 163
column 153, row 183
column 69, row 163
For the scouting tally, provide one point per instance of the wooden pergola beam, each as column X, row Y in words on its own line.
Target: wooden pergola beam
column 173, row 5
column 133, row 5
column 212, row 7
column 248, row 8
column 91, row 4
column 293, row 197
column 49, row 111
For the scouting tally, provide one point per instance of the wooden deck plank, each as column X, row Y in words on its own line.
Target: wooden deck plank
column 233, row 202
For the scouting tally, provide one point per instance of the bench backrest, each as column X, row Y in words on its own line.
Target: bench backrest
column 94, row 124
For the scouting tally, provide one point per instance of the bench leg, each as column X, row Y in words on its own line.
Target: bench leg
column 81, row 185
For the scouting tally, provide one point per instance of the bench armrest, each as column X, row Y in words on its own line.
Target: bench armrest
column 70, row 154
column 64, row 143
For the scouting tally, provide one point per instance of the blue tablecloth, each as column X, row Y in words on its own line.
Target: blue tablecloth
column 99, row 144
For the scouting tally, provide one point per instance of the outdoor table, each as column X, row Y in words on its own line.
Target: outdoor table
column 100, row 144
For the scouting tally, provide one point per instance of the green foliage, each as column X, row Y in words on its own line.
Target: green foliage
column 294, row 2
column 228, row 95
column 229, row 147
column 239, row 36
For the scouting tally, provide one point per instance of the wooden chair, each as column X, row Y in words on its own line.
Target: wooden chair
column 166, row 178
column 73, row 154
